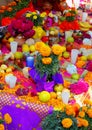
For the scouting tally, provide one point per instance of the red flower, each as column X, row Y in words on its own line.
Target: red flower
column 6, row 21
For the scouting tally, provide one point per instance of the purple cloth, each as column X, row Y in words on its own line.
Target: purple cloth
column 42, row 83
column 22, row 119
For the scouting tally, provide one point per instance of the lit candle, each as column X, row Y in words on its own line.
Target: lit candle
column 30, row 61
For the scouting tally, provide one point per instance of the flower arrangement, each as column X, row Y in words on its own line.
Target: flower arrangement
column 69, row 21
column 21, row 26
column 36, row 18
column 46, row 71
column 47, row 58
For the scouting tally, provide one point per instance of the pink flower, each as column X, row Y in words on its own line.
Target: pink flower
column 79, row 87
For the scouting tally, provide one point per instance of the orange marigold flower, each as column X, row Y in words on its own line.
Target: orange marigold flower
column 47, row 60
column 89, row 112
column 57, row 49
column 45, row 50
column 85, row 123
column 2, row 127
column 67, row 122
column 79, row 121
column 7, row 118
column 82, row 114
column 38, row 45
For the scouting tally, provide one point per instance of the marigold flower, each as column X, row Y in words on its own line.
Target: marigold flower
column 45, row 50
column 67, row 122
column 38, row 45
column 82, row 114
column 85, row 123
column 89, row 112
column 57, row 49
column 47, row 60
column 7, row 118
column 2, row 127
column 79, row 121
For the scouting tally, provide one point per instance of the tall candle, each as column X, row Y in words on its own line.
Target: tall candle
column 30, row 61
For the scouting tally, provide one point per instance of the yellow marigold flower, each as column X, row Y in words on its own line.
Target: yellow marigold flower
column 67, row 122
column 34, row 17
column 45, row 50
column 7, row 118
column 85, row 123
column 57, row 49
column 82, row 114
column 28, row 15
column 2, row 127
column 38, row 45
column 89, row 112
column 47, row 60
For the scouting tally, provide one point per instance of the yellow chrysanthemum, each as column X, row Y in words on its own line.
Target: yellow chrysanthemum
column 47, row 60
column 34, row 17
column 45, row 50
column 7, row 118
column 38, row 45
column 28, row 15
column 82, row 114
column 57, row 49
column 67, row 122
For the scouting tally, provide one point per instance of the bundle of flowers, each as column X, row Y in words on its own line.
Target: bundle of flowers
column 36, row 18
column 69, row 20
column 21, row 26
column 46, row 71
